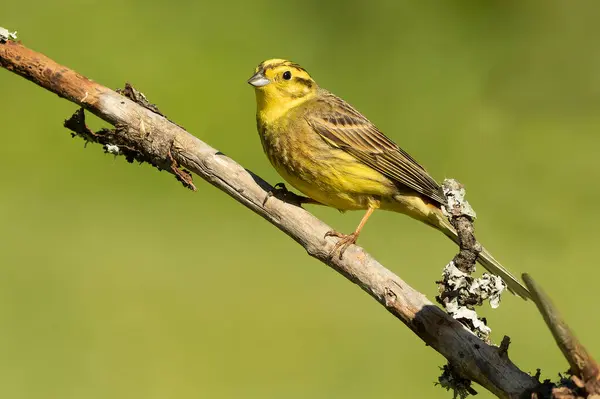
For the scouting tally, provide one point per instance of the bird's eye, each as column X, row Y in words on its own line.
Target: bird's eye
column 287, row 75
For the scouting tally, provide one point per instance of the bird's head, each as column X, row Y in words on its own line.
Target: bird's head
column 278, row 82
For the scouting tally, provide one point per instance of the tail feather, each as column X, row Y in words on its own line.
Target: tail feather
column 486, row 260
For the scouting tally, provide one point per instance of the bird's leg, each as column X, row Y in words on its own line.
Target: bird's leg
column 347, row 239
column 281, row 192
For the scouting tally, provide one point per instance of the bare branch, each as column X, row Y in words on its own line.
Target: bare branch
column 150, row 137
column 585, row 370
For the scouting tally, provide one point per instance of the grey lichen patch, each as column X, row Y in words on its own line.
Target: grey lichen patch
column 5, row 35
column 488, row 287
column 457, row 204
column 112, row 149
column 473, row 290
column 460, row 293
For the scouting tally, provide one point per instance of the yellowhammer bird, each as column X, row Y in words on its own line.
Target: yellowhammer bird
column 329, row 151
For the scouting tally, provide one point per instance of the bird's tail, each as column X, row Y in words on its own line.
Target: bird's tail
column 485, row 259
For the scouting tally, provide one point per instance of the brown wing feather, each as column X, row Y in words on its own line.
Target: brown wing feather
column 348, row 129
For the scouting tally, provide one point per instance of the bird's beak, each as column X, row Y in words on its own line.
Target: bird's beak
column 258, row 80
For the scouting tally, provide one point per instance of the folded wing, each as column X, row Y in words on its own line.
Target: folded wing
column 344, row 127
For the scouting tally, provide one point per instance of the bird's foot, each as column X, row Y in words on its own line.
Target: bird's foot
column 345, row 240
column 281, row 192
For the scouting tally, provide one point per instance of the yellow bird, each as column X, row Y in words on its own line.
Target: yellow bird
column 329, row 151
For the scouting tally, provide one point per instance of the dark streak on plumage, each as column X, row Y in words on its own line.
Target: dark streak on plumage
column 295, row 95
column 350, row 131
column 262, row 67
column 306, row 82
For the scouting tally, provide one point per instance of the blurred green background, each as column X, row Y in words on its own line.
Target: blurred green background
column 118, row 283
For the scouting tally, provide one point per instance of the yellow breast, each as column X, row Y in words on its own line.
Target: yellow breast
column 324, row 173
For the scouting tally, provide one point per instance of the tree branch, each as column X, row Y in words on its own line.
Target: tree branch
column 585, row 371
column 144, row 135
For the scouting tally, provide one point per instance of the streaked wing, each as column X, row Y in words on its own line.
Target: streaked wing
column 346, row 128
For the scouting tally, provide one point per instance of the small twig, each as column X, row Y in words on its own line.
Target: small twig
column 462, row 216
column 76, row 123
column 138, row 97
column 459, row 291
column 584, row 369
column 504, row 344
